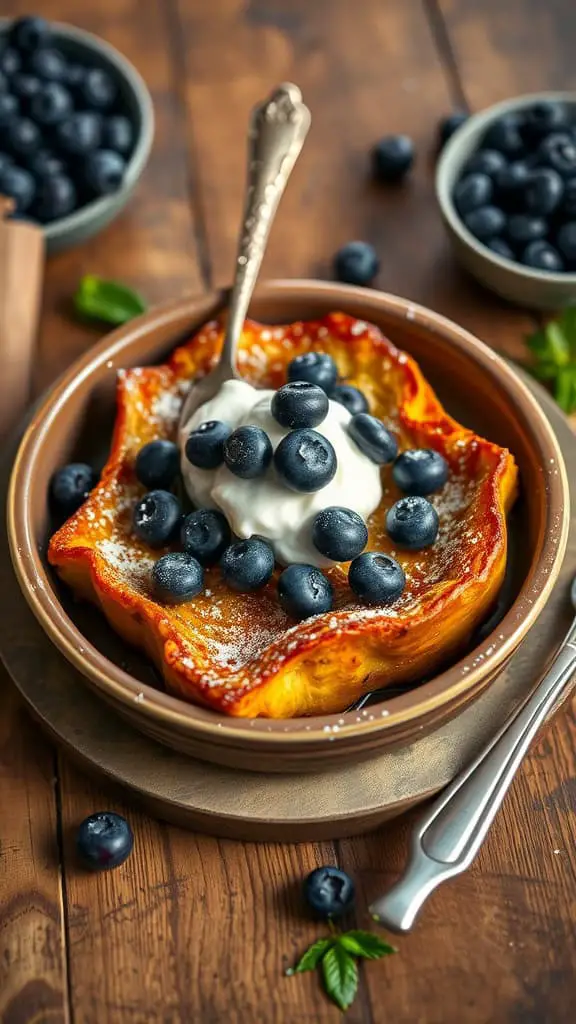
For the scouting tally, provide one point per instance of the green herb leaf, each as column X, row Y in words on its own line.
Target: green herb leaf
column 107, row 301
column 554, row 351
column 365, row 944
column 312, row 957
column 565, row 388
column 340, row 973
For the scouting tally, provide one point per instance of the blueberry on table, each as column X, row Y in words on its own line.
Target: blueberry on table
column 247, row 565
column 29, row 33
column 315, row 367
column 543, row 118
column 392, row 158
column 299, row 404
column 329, row 892
column 509, row 183
column 51, row 104
column 373, row 438
column 98, row 89
column 420, row 471
column 157, row 464
column 305, row 460
column 412, row 523
column 45, row 164
column 566, row 240
column 505, row 136
column 80, row 133
column 523, row 228
column 248, row 452
column 19, row 185
column 339, row 533
column 49, row 64
column 118, row 134
column 350, row 397
column 544, row 191
column 376, row 578
column 356, row 263
column 304, row 591
column 205, row 445
column 9, row 108
column 104, row 840
column 206, row 535
column 70, row 486
column 485, row 222
column 540, row 255
column 500, row 247
column 558, row 151
column 56, row 197
column 177, row 577
column 10, row 62
column 104, row 171
column 450, row 124
column 486, row 161
column 23, row 137
column 472, row 191
column 156, row 517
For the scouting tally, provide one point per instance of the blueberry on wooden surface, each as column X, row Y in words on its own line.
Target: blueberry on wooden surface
column 356, row 263
column 104, row 841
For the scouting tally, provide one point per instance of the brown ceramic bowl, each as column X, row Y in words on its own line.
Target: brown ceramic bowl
column 475, row 385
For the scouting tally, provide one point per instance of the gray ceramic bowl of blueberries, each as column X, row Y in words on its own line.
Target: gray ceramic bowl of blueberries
column 506, row 184
column 76, row 127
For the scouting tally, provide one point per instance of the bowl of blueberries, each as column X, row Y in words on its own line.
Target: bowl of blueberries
column 506, row 184
column 76, row 127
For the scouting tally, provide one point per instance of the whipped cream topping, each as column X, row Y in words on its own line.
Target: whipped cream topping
column 266, row 506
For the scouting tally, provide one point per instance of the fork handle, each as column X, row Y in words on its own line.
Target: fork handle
column 276, row 134
column 449, row 835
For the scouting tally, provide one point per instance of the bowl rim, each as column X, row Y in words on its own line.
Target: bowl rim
column 453, row 155
column 443, row 689
column 143, row 100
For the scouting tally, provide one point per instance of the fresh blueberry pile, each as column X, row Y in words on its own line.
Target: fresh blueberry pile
column 517, row 193
column 65, row 135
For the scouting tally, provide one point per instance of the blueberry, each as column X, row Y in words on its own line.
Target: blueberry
column 205, row 445
column 3, row 83
column 522, row 229
column 510, row 183
column 392, row 158
column 9, row 108
column 25, row 87
column 70, row 486
column 543, row 118
column 206, row 535
column 56, row 197
column 48, row 64
column 104, row 171
column 558, row 151
column 486, row 161
column 248, row 452
column 350, row 397
column 29, row 33
column 504, row 135
column 316, row 367
column 305, row 460
column 157, row 464
column 299, row 404
column 500, row 247
column 356, row 263
column 156, row 517
column 420, row 471
column 45, row 164
column 450, row 124
column 10, row 62
column 376, row 578
column 104, row 840
column 80, row 133
column 118, row 134
column 568, row 208
column 52, row 104
column 5, row 161
column 98, row 89
column 472, row 191
column 75, row 75
column 23, row 137
column 19, row 185
column 303, row 591
column 339, row 533
column 544, row 191
column 412, row 523
column 566, row 240
column 373, row 438
column 485, row 222
column 541, row 255
column 329, row 891
column 177, row 577
column 248, row 564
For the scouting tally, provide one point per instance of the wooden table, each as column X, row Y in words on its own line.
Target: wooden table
column 193, row 929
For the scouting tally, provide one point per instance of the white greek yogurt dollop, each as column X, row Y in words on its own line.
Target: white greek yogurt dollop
column 266, row 506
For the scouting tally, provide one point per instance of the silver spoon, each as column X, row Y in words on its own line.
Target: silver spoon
column 451, row 832
column 276, row 135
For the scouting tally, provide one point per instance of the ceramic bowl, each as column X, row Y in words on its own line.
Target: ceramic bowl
column 518, row 284
column 76, row 419
column 96, row 215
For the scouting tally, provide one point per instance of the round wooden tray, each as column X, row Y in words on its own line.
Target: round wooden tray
column 256, row 806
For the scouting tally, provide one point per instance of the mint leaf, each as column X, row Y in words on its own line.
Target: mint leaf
column 565, row 388
column 365, row 944
column 568, row 321
column 107, row 301
column 340, row 973
column 312, row 957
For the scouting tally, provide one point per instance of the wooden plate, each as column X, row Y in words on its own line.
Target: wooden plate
column 258, row 806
